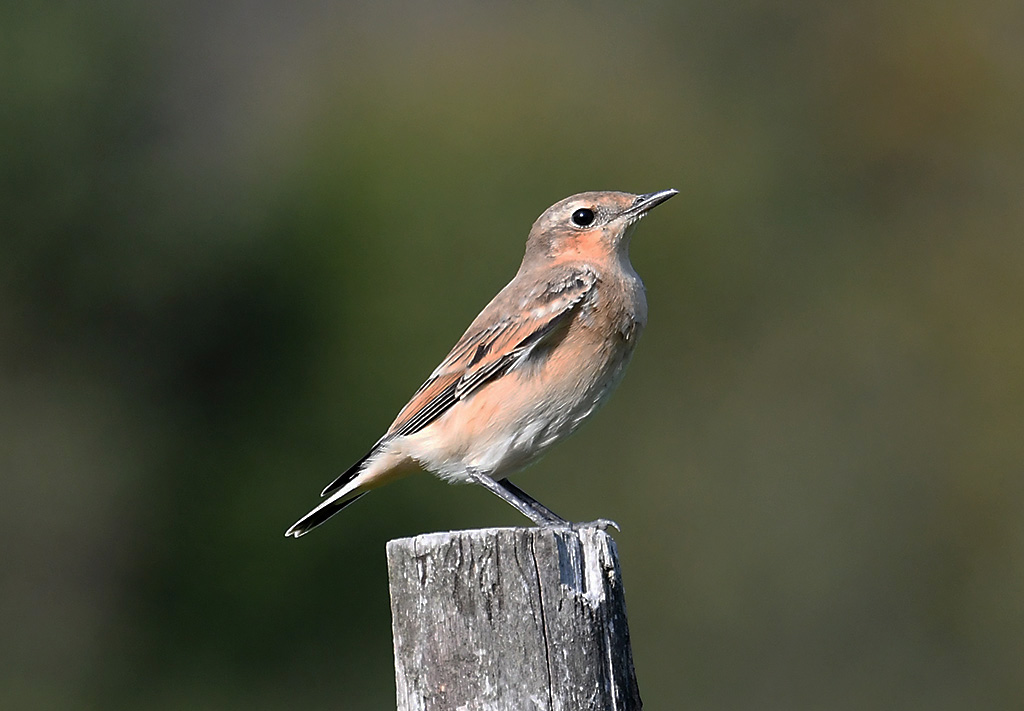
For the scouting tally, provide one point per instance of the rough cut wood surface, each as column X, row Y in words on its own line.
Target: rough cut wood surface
column 510, row 619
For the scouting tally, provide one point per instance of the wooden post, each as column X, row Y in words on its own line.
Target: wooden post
column 510, row 619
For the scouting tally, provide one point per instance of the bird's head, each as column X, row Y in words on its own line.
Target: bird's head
column 590, row 226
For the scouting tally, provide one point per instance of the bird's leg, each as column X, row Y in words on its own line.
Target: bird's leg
column 555, row 520
column 534, row 510
column 550, row 516
column 525, row 504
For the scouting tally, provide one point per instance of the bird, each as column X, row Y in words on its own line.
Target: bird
column 542, row 357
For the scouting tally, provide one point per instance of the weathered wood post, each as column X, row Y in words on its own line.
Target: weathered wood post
column 510, row 619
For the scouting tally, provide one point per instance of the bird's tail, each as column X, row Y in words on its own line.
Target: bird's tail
column 324, row 511
column 375, row 469
column 343, row 491
column 349, row 474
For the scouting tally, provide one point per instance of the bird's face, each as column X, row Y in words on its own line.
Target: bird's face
column 593, row 226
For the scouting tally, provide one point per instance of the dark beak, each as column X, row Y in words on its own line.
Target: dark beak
column 648, row 201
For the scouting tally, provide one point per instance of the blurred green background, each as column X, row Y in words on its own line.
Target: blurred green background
column 237, row 236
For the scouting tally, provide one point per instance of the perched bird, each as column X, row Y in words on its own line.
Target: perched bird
column 538, row 360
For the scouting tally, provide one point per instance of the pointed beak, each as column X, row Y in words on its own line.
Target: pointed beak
column 644, row 203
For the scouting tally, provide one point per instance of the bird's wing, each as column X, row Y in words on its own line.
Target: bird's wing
column 493, row 346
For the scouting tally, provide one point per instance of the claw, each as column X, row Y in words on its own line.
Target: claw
column 602, row 524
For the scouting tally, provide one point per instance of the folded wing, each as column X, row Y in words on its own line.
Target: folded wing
column 490, row 348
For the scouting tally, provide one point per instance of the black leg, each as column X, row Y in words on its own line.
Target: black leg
column 548, row 514
column 526, row 505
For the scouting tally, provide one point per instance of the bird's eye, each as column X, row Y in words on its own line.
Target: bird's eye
column 582, row 217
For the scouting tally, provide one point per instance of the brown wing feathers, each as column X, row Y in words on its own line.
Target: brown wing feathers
column 481, row 355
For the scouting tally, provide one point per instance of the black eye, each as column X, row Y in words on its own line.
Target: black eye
column 582, row 217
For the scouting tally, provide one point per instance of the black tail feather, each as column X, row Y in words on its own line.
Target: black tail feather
column 318, row 515
column 348, row 475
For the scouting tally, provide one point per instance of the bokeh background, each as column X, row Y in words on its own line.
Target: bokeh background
column 236, row 236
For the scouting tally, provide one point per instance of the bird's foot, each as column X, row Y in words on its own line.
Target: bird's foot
column 600, row 524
